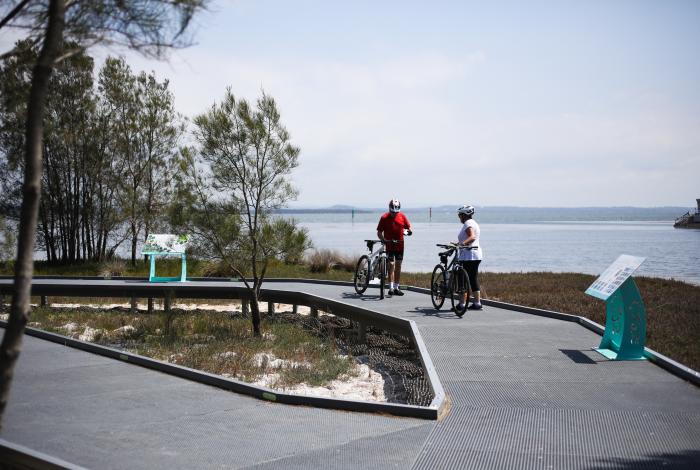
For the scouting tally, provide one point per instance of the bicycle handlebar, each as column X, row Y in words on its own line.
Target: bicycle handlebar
column 447, row 247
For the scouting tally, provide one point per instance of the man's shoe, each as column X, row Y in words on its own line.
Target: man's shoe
column 397, row 291
column 475, row 307
column 390, row 292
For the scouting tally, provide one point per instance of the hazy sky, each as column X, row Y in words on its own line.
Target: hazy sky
column 556, row 103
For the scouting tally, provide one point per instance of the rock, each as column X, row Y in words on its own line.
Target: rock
column 90, row 334
column 225, row 355
column 70, row 327
column 125, row 331
column 176, row 358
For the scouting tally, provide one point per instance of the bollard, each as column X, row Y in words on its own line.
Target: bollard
column 314, row 312
column 295, row 308
column 150, row 305
column 44, row 301
column 245, row 307
column 133, row 305
column 270, row 308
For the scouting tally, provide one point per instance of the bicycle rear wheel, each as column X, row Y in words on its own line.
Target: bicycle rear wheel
column 382, row 276
column 459, row 285
column 361, row 279
column 438, row 286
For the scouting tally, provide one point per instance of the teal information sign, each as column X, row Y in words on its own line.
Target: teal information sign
column 166, row 245
column 625, row 316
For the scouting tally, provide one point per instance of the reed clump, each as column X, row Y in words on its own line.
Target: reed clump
column 325, row 260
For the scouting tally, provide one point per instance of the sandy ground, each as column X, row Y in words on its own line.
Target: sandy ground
column 363, row 385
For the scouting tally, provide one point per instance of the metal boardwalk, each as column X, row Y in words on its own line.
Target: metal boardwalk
column 526, row 392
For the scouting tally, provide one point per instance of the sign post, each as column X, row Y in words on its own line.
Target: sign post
column 166, row 245
column 625, row 316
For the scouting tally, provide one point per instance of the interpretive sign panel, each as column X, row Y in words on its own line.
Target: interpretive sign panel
column 162, row 243
column 625, row 316
column 613, row 277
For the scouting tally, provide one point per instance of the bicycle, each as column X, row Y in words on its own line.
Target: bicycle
column 450, row 279
column 374, row 263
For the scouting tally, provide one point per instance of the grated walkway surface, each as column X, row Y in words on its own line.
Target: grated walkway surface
column 526, row 392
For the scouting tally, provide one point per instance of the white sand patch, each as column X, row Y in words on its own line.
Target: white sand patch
column 236, row 307
column 366, row 385
column 158, row 305
column 362, row 384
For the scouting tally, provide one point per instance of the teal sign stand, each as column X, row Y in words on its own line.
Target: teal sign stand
column 166, row 245
column 152, row 274
column 625, row 322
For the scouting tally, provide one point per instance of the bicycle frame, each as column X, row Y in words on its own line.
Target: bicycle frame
column 376, row 261
column 376, row 256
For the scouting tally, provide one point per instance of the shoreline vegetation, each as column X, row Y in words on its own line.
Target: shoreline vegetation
column 672, row 307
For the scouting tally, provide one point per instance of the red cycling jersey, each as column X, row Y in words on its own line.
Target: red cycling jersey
column 393, row 230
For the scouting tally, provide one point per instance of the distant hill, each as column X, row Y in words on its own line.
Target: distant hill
column 514, row 214
column 336, row 209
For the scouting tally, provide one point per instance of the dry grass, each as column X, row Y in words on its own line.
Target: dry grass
column 323, row 261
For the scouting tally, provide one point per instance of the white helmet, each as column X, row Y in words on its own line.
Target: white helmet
column 394, row 206
column 466, row 210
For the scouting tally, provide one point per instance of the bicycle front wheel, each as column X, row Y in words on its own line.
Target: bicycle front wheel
column 361, row 279
column 438, row 286
column 382, row 276
column 459, row 286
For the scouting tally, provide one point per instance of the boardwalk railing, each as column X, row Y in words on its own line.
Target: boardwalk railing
column 221, row 289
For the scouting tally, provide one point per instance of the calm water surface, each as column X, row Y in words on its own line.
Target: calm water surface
column 586, row 247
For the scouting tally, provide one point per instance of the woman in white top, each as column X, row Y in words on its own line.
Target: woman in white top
column 470, row 253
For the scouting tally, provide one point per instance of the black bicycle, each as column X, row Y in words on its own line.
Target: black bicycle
column 450, row 279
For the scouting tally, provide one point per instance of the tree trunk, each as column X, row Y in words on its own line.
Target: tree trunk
column 24, row 267
column 255, row 313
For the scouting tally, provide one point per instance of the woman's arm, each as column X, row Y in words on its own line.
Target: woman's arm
column 471, row 236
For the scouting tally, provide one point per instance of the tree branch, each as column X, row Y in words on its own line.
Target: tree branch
column 15, row 11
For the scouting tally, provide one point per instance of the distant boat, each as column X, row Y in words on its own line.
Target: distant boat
column 689, row 219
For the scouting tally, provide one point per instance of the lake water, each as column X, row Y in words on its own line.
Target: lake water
column 586, row 247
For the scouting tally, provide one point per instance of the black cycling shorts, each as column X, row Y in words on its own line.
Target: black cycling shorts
column 472, row 269
column 394, row 255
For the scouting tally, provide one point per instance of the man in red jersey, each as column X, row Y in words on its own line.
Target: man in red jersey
column 391, row 227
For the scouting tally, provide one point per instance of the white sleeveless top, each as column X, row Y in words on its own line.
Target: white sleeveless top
column 475, row 253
